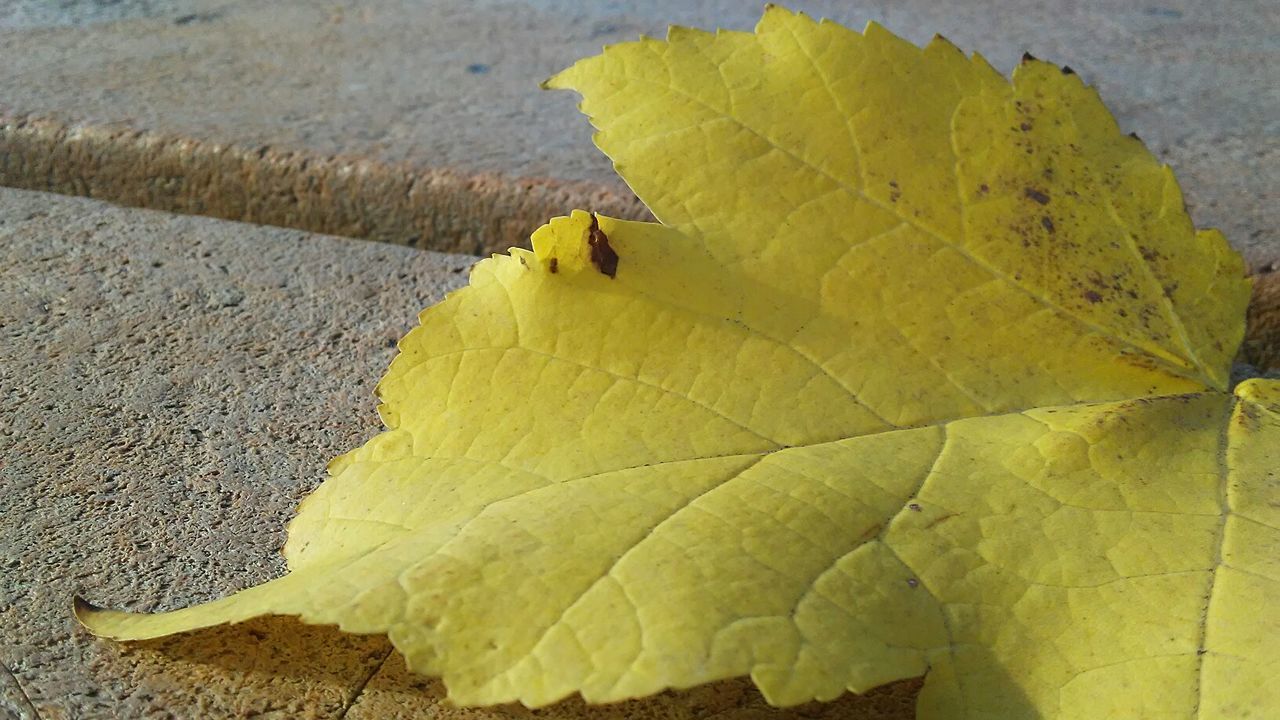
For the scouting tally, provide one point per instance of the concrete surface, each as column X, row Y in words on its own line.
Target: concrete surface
column 406, row 89
column 171, row 387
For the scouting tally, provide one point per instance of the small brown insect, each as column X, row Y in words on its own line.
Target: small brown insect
column 602, row 256
column 554, row 265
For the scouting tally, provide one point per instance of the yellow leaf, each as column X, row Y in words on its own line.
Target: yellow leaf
column 924, row 371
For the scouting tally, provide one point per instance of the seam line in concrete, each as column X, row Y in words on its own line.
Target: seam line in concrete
column 23, row 704
column 359, row 689
column 411, row 204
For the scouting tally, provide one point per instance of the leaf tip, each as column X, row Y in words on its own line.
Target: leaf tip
column 82, row 607
column 86, row 614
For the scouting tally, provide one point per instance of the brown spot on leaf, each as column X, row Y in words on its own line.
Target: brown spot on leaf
column 1092, row 296
column 602, row 256
column 982, row 189
column 1038, row 195
column 1024, row 127
column 1027, row 57
column 941, row 519
column 894, row 191
column 1248, row 419
column 1047, row 223
column 554, row 265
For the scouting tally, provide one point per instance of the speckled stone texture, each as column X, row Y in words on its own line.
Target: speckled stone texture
column 170, row 387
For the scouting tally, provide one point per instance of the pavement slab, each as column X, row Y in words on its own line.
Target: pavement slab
column 172, row 386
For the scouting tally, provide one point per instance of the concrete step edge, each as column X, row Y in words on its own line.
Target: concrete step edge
column 430, row 208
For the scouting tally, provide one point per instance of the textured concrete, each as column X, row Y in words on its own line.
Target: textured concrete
column 171, row 387
column 411, row 88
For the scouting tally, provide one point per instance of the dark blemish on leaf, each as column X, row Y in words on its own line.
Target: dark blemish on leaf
column 894, row 191
column 478, row 68
column 1248, row 418
column 1066, row 70
column 1132, row 293
column 1037, row 195
column 1027, row 57
column 912, row 582
column 554, row 265
column 983, row 189
column 602, row 256
column 1092, row 296
column 1147, row 253
column 1047, row 223
column 871, row 532
column 1122, row 312
column 914, row 506
column 939, row 520
column 1024, row 127
column 524, row 262
column 1170, row 289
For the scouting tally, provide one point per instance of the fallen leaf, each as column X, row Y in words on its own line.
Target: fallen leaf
column 924, row 371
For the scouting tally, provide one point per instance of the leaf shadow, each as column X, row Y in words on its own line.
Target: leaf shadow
column 277, row 663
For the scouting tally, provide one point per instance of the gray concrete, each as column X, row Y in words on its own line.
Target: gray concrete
column 452, row 84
